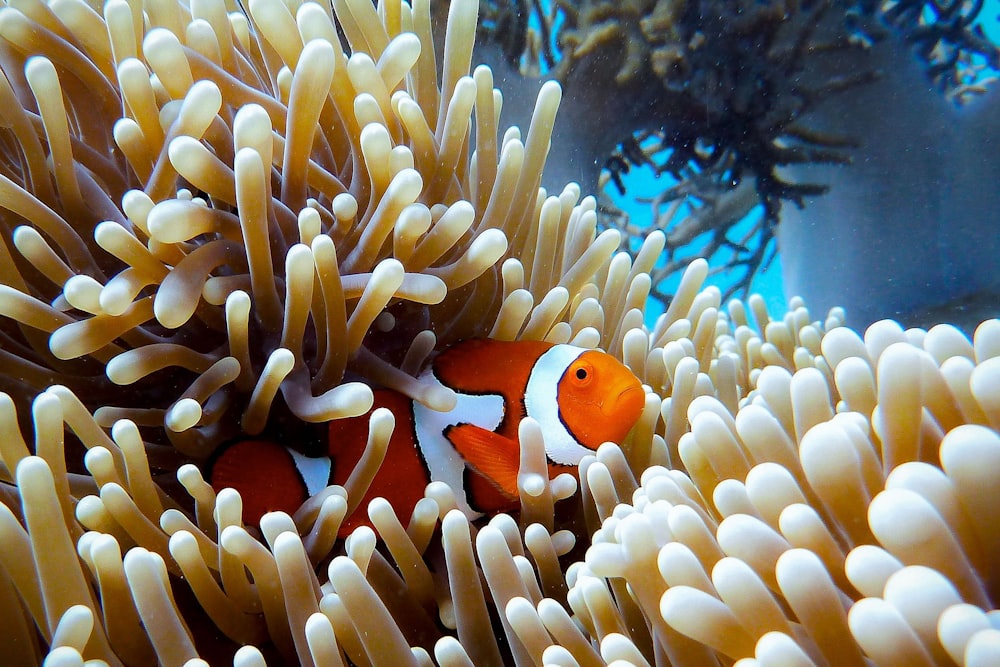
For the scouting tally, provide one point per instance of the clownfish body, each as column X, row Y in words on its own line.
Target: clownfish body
column 580, row 398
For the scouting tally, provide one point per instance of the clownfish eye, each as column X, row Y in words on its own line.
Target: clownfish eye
column 582, row 373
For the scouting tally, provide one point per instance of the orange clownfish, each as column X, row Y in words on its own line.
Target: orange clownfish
column 580, row 398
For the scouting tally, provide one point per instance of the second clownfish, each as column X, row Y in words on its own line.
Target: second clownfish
column 580, row 398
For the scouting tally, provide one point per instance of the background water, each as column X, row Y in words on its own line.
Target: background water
column 643, row 183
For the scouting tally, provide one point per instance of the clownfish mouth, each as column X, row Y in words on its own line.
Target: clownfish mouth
column 624, row 399
column 627, row 390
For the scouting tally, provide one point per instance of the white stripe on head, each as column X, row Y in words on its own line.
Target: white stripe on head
column 541, row 401
column 315, row 471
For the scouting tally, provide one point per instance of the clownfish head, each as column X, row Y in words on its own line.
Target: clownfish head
column 599, row 399
column 582, row 399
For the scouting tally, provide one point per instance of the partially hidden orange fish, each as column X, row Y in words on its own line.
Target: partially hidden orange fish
column 580, row 398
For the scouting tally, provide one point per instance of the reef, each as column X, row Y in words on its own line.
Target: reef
column 218, row 222
column 765, row 116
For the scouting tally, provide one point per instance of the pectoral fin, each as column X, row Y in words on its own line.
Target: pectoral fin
column 490, row 454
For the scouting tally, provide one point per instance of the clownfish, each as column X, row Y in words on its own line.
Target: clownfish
column 580, row 398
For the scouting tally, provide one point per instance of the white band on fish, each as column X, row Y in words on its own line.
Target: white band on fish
column 541, row 401
column 315, row 471
column 443, row 462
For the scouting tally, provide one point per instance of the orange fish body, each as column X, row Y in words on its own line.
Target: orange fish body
column 580, row 398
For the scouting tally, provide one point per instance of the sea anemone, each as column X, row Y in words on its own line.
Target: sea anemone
column 257, row 165
column 217, row 223
column 843, row 513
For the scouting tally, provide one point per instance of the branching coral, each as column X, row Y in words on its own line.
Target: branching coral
column 949, row 37
column 746, row 103
column 713, row 94
column 272, row 219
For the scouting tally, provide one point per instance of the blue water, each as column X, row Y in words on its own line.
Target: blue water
column 643, row 183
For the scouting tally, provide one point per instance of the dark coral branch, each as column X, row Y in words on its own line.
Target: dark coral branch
column 732, row 83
